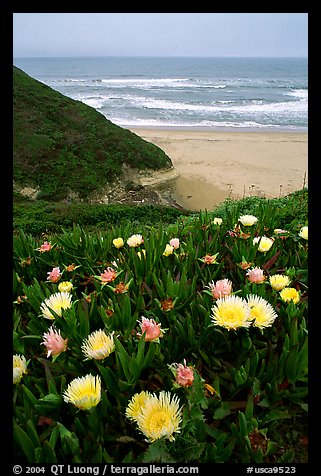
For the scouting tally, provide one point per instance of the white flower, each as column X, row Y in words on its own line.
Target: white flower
column 248, row 220
column 217, row 221
column 135, row 240
column 56, row 302
column 19, row 367
column 98, row 345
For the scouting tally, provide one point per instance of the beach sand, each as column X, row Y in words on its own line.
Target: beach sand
column 213, row 165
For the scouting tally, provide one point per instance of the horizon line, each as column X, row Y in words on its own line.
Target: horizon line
column 159, row 56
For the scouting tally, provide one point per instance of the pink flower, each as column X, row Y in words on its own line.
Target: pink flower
column 255, row 275
column 174, row 242
column 108, row 275
column 153, row 330
column 184, row 375
column 54, row 342
column 45, row 247
column 221, row 288
column 54, row 275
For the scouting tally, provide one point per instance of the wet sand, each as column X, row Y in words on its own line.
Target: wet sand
column 213, row 165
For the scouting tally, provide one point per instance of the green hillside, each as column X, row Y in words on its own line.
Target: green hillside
column 61, row 145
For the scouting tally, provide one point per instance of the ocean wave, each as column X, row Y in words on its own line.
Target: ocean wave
column 299, row 93
column 255, row 106
column 135, row 122
column 144, row 83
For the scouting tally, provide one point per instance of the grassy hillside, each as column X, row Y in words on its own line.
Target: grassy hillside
column 62, row 145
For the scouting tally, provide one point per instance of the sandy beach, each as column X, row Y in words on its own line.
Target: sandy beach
column 213, row 165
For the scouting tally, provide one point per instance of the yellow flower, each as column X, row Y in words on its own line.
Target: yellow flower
column 65, row 287
column 279, row 281
column 290, row 294
column 248, row 220
column 231, row 312
column 19, row 367
column 265, row 243
column 262, row 312
column 118, row 242
column 140, row 254
column 84, row 392
column 98, row 345
column 160, row 417
column 168, row 250
column 56, row 302
column 136, row 405
column 303, row 233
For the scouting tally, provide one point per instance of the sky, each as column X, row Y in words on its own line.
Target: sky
column 160, row 34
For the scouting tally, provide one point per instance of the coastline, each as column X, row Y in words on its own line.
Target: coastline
column 215, row 164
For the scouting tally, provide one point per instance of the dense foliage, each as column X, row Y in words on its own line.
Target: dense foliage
column 62, row 145
column 40, row 216
column 245, row 398
column 43, row 217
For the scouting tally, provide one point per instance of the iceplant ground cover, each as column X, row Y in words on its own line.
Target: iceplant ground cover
column 185, row 343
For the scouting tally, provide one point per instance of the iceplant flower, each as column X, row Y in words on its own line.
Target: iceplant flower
column 160, row 417
column 231, row 312
column 279, row 281
column 135, row 240
column 303, row 233
column 209, row 259
column 54, row 275
column 19, row 367
column 174, row 242
column 255, row 275
column 168, row 250
column 262, row 313
column 136, row 405
column 264, row 242
column 98, row 345
column 84, row 392
column 121, row 288
column 45, row 247
column 152, row 329
column 248, row 220
column 140, row 254
column 65, row 286
column 184, row 375
column 290, row 294
column 108, row 275
column 283, row 234
column 71, row 267
column 245, row 264
column 167, row 304
column 217, row 221
column 221, row 288
column 118, row 242
column 56, row 302
column 54, row 343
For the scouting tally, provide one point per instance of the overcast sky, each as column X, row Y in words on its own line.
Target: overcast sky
column 160, row 34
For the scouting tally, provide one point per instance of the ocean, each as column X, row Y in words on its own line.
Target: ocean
column 187, row 93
